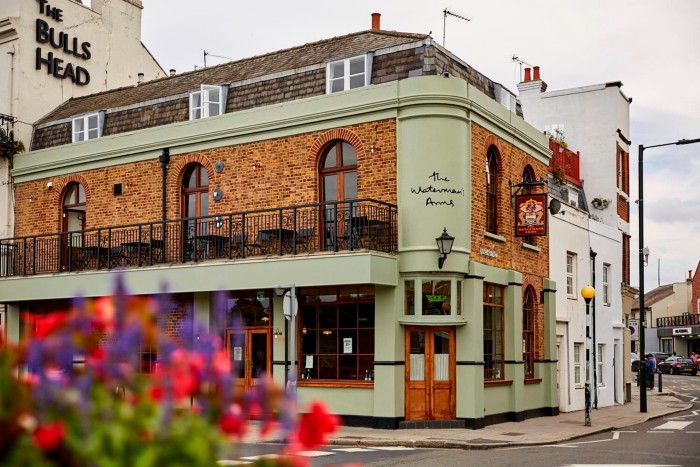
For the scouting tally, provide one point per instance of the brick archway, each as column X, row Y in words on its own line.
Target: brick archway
column 334, row 135
column 60, row 192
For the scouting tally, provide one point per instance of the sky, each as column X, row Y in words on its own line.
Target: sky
column 652, row 46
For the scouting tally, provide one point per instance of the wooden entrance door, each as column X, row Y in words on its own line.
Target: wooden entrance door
column 249, row 352
column 430, row 373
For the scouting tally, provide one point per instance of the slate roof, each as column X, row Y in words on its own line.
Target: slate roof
column 287, row 59
column 654, row 296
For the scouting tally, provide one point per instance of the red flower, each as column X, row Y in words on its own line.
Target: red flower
column 232, row 423
column 48, row 437
column 316, row 425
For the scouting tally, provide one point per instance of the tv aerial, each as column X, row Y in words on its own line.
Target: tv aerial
column 445, row 14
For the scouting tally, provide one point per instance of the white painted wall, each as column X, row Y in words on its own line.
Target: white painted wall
column 606, row 241
column 568, row 232
column 590, row 116
column 113, row 29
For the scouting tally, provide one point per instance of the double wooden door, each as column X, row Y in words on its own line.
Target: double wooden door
column 249, row 351
column 430, row 373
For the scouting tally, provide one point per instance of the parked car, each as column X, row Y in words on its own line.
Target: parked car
column 675, row 365
column 635, row 362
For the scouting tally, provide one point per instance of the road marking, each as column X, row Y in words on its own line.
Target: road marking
column 672, row 426
column 315, row 453
column 353, row 449
column 262, row 456
column 393, row 448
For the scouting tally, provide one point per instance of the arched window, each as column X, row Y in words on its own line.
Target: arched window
column 492, row 190
column 195, row 191
column 338, row 175
column 73, row 208
column 338, row 172
column 529, row 307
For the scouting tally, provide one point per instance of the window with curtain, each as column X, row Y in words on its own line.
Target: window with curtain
column 493, row 332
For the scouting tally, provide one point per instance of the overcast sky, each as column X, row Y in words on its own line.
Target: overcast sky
column 652, row 46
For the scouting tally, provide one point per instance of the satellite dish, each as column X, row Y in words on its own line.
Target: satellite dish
column 554, row 206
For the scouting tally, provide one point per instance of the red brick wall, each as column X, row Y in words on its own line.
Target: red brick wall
column 510, row 254
column 264, row 174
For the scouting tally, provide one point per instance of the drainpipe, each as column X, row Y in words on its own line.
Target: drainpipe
column 595, row 346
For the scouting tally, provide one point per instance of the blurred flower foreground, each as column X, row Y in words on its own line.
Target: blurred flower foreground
column 106, row 411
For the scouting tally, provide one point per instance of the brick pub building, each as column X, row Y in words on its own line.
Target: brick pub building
column 332, row 166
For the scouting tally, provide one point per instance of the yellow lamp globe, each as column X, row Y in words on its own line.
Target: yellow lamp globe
column 588, row 292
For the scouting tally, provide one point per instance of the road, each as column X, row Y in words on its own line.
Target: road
column 668, row 441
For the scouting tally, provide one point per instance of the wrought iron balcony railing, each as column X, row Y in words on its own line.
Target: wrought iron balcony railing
column 682, row 320
column 362, row 224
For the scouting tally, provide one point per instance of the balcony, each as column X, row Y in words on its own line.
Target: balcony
column 564, row 164
column 357, row 225
column 682, row 320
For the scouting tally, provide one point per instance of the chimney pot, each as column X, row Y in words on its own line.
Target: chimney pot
column 375, row 20
column 527, row 75
column 537, row 73
column 141, row 78
column 172, row 72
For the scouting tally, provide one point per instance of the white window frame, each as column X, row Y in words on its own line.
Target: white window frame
column 599, row 363
column 346, row 77
column 205, row 101
column 578, row 367
column 606, row 284
column 571, row 275
column 91, row 127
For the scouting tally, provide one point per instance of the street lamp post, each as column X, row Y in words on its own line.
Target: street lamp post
column 640, row 203
column 588, row 293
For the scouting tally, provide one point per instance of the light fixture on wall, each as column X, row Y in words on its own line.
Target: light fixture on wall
column 278, row 333
column 444, row 243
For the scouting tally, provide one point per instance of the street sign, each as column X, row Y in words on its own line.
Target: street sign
column 634, row 329
column 287, row 305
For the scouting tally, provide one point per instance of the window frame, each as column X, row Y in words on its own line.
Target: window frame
column 571, row 275
column 414, row 299
column 578, row 366
column 357, row 296
column 528, row 330
column 599, row 356
column 491, row 191
column 346, row 77
column 606, row 284
column 204, row 101
column 494, row 367
column 87, row 130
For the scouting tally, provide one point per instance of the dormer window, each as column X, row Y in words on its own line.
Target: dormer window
column 348, row 73
column 207, row 102
column 88, row 126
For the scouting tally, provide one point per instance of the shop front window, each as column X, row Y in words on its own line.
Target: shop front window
column 337, row 333
column 249, row 308
column 429, row 297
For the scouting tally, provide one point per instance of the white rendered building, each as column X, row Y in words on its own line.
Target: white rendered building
column 52, row 51
column 594, row 120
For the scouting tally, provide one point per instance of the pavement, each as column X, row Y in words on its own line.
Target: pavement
column 532, row 432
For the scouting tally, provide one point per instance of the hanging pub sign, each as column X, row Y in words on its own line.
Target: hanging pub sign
column 530, row 215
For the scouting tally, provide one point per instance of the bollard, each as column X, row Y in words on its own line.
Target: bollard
column 660, row 382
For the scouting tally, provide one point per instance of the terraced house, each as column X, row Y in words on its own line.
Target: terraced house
column 328, row 171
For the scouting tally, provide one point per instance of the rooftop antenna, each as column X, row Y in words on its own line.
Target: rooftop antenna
column 521, row 62
column 445, row 14
column 217, row 56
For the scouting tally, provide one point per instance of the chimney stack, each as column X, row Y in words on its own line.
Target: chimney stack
column 172, row 72
column 536, row 70
column 375, row 20
column 141, row 78
column 527, row 75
